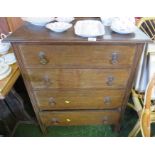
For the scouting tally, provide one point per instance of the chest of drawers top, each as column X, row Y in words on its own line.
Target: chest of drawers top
column 29, row 33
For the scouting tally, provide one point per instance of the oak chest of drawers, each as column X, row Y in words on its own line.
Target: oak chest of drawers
column 73, row 81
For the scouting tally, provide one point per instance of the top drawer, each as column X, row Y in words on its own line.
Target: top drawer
column 77, row 56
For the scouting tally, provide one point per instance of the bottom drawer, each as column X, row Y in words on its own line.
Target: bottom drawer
column 91, row 117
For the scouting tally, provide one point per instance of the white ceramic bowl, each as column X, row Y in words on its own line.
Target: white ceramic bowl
column 107, row 21
column 39, row 21
column 4, row 47
column 59, row 26
column 65, row 19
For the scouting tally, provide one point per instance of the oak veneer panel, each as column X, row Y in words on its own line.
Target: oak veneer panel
column 79, row 99
column 71, row 56
column 79, row 117
column 77, row 78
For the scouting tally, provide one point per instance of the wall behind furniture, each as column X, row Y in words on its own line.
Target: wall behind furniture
column 4, row 28
column 14, row 23
column 8, row 24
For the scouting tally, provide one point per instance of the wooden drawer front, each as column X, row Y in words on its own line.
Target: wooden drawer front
column 77, row 56
column 79, row 117
column 78, row 78
column 79, row 99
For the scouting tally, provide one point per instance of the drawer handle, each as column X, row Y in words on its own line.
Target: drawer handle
column 110, row 80
column 107, row 100
column 114, row 58
column 47, row 81
column 52, row 101
column 105, row 119
column 55, row 121
column 43, row 59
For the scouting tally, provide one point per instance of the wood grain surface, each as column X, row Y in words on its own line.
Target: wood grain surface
column 79, row 99
column 71, row 56
column 79, row 117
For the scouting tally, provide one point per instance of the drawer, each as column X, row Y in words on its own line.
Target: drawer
column 79, row 99
column 78, row 78
column 79, row 118
column 77, row 56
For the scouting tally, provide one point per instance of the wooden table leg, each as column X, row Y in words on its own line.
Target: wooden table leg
column 16, row 105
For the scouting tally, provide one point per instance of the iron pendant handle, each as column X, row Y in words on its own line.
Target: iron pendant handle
column 42, row 58
column 110, row 80
column 114, row 58
column 55, row 121
column 107, row 100
column 47, row 81
column 105, row 119
column 52, row 101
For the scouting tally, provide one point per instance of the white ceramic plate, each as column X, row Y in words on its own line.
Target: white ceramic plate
column 123, row 31
column 4, row 47
column 89, row 28
column 9, row 58
column 2, row 76
column 59, row 26
column 65, row 19
column 123, row 25
column 4, row 68
column 39, row 21
column 1, row 60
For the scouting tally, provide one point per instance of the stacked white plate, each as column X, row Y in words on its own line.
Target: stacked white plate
column 9, row 58
column 5, row 70
column 4, row 47
column 1, row 60
column 123, row 25
column 89, row 28
column 5, row 61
